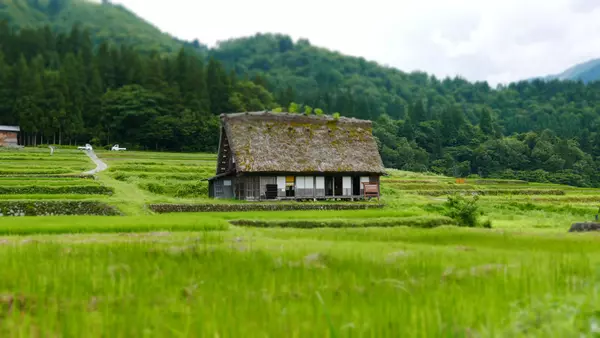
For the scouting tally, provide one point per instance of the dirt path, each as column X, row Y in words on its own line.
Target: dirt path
column 100, row 165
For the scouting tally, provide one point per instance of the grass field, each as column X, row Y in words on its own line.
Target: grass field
column 347, row 274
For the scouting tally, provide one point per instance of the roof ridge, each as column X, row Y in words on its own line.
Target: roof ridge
column 273, row 114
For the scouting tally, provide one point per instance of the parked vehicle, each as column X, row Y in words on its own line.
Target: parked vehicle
column 86, row 147
column 117, row 148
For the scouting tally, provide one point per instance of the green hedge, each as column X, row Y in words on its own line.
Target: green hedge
column 421, row 222
column 490, row 192
column 167, row 208
column 55, row 208
column 47, row 190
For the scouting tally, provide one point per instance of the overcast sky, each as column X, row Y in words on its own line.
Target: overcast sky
column 493, row 40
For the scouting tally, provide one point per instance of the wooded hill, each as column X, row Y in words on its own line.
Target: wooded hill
column 105, row 22
column 78, row 86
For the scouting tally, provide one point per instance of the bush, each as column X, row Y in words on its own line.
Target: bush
column 464, row 211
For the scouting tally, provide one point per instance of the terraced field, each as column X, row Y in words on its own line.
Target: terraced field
column 34, row 182
column 399, row 269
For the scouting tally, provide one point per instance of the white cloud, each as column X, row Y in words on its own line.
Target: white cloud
column 493, row 40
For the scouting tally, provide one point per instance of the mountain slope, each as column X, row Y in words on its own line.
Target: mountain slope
column 109, row 22
column 587, row 72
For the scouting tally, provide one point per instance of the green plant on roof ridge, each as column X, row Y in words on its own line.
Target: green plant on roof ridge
column 294, row 107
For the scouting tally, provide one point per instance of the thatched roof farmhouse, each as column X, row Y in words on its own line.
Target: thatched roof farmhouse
column 265, row 155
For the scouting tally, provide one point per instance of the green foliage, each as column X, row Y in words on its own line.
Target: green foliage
column 336, row 116
column 464, row 210
column 293, row 108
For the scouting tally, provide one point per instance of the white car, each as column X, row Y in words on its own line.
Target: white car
column 87, row 147
column 116, row 148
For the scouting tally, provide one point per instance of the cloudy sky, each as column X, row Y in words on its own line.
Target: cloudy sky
column 493, row 40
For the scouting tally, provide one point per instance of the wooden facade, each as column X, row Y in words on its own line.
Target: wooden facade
column 268, row 156
column 9, row 136
column 343, row 186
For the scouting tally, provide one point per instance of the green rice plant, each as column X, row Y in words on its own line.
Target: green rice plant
column 283, row 282
column 44, row 189
column 96, row 224
column 493, row 192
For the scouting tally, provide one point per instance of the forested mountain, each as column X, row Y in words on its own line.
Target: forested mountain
column 587, row 72
column 105, row 22
column 60, row 90
column 69, row 86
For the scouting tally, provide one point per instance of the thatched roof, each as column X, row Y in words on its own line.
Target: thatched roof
column 289, row 143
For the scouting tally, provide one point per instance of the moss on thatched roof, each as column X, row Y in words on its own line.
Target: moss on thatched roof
column 283, row 142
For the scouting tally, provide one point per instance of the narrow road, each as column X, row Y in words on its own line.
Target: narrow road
column 100, row 166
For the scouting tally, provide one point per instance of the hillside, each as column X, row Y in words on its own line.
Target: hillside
column 106, row 22
column 587, row 72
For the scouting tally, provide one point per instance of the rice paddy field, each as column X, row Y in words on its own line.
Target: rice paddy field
column 403, row 270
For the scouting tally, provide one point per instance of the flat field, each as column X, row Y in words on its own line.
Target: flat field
column 402, row 271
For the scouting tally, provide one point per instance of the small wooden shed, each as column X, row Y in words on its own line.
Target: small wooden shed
column 283, row 156
column 9, row 136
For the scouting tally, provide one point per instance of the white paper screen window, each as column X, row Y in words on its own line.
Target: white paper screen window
column 281, row 182
column 320, row 182
column 300, row 182
column 309, row 182
column 347, row 184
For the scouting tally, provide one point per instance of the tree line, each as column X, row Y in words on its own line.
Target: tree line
column 62, row 89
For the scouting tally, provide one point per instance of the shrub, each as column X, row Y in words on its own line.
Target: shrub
column 464, row 211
